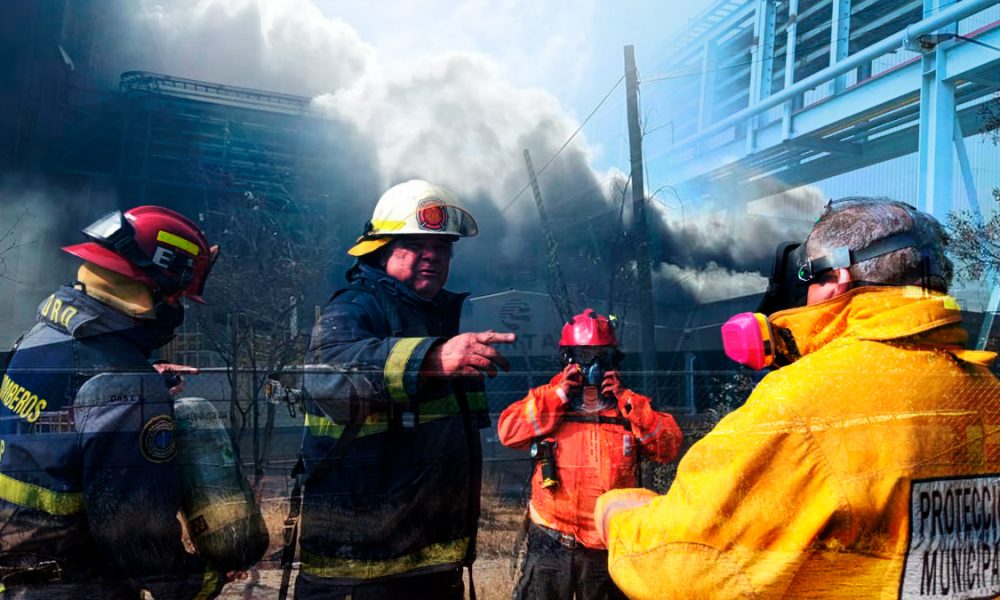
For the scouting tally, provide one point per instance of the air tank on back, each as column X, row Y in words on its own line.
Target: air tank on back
column 224, row 520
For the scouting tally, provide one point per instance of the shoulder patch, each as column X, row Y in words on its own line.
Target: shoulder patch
column 156, row 442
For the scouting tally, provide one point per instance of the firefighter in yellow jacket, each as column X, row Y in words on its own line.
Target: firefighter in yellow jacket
column 868, row 467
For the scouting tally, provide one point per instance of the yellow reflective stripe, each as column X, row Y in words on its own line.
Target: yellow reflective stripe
column 39, row 498
column 321, row 426
column 435, row 554
column 209, row 585
column 387, row 225
column 477, row 400
column 395, row 367
column 446, row 405
column 177, row 241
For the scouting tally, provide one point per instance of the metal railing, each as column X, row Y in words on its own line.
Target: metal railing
column 155, row 83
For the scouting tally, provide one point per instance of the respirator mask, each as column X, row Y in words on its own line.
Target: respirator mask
column 594, row 363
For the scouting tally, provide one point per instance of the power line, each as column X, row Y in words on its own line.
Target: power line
column 566, row 143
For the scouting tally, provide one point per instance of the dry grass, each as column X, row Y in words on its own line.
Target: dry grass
column 498, row 525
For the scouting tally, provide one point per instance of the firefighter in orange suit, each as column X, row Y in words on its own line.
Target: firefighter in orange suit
column 586, row 432
column 867, row 467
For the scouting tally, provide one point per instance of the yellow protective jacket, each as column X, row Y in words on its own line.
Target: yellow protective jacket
column 868, row 468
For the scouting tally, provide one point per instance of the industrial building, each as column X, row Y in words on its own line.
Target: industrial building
column 853, row 97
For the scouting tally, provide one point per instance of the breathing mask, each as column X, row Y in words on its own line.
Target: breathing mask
column 594, row 362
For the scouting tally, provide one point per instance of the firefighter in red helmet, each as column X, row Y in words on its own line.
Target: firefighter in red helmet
column 89, row 489
column 586, row 432
column 160, row 248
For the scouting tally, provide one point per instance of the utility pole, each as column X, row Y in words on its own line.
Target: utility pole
column 556, row 283
column 640, row 231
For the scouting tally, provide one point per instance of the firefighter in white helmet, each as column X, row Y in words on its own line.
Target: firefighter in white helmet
column 391, row 451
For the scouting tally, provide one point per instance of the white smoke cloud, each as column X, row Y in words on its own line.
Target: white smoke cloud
column 286, row 46
column 455, row 118
column 34, row 222
column 709, row 284
column 452, row 118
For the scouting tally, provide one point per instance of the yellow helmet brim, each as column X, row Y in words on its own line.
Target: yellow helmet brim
column 368, row 245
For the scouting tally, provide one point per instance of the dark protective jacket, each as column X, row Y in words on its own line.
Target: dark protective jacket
column 88, row 490
column 404, row 498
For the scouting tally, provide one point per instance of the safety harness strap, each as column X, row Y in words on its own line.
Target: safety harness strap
column 603, row 420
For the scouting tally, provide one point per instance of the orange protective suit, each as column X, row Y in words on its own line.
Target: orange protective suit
column 868, row 468
column 593, row 452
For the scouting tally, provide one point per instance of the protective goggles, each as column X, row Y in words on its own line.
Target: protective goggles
column 843, row 257
column 114, row 232
column 585, row 355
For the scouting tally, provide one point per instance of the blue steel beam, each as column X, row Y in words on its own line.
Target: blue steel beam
column 840, row 36
column 937, row 122
column 893, row 42
column 786, row 172
column 761, row 62
column 790, row 39
column 886, row 93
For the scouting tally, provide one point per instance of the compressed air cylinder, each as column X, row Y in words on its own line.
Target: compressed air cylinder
column 224, row 520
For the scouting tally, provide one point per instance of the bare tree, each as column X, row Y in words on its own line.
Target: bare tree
column 270, row 257
column 9, row 243
column 975, row 241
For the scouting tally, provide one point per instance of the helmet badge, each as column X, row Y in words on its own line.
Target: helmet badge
column 431, row 215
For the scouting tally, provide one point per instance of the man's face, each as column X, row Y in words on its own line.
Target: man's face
column 828, row 285
column 421, row 262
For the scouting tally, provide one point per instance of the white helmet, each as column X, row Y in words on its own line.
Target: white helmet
column 414, row 207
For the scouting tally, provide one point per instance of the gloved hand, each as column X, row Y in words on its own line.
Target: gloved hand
column 611, row 386
column 173, row 375
column 568, row 381
column 632, row 405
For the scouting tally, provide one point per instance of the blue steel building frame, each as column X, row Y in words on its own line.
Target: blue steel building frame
column 927, row 104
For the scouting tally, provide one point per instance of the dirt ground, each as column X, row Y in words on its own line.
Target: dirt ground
column 492, row 576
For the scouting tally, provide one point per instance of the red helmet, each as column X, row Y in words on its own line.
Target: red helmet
column 154, row 245
column 588, row 329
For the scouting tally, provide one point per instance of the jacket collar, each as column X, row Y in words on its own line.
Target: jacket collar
column 906, row 314
column 79, row 315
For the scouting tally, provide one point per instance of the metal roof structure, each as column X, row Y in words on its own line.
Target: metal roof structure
column 769, row 95
column 791, row 92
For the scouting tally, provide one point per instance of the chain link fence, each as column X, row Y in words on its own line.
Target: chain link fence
column 269, row 436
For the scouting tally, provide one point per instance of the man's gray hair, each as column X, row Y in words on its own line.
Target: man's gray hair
column 857, row 221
